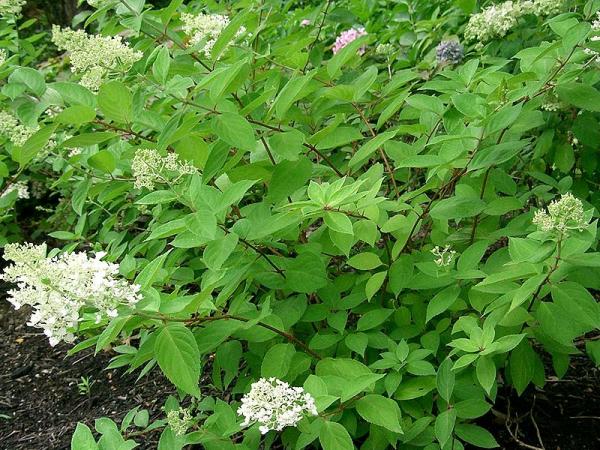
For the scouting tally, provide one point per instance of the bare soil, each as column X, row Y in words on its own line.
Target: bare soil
column 40, row 403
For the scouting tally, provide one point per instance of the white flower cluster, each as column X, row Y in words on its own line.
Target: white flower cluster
column 95, row 57
column 444, row 256
column 541, row 7
column 497, row 20
column 15, row 131
column 73, row 152
column 274, row 404
column 180, row 420
column 11, row 7
column 99, row 3
column 562, row 215
column 3, row 56
column 38, row 189
column 18, row 134
column 552, row 106
column 205, row 29
column 21, row 188
column 58, row 288
column 149, row 168
column 596, row 29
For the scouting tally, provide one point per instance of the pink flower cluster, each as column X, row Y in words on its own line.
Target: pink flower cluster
column 348, row 36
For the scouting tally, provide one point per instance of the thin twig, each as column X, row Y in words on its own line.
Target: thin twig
column 388, row 168
column 514, row 435
column 537, row 429
column 313, row 43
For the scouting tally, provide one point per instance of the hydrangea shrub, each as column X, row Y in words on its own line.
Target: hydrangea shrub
column 327, row 227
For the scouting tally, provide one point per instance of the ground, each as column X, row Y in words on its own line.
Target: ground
column 40, row 402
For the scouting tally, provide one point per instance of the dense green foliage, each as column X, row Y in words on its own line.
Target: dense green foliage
column 361, row 225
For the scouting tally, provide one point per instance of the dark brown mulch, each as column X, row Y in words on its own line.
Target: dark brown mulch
column 40, row 403
column 563, row 415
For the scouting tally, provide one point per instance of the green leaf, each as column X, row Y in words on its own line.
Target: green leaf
column 503, row 345
column 83, row 439
column 33, row 79
column 442, row 301
column 373, row 319
column 365, row 261
column 23, row 155
column 523, row 249
column 374, row 284
column 380, row 410
column 338, row 138
column 104, row 160
column 162, row 63
column 217, row 251
column 580, row 95
column 215, row 333
column 470, row 105
column 290, row 93
column 141, row 418
column 426, row 103
column 278, row 361
column 110, row 332
column 497, row 154
column 444, row 426
column 169, row 440
column 577, row 303
column 226, row 81
column 80, row 196
column 364, row 82
column 445, row 380
column 157, row 197
column 339, row 222
column 522, row 366
column 227, row 35
column 288, row 144
column 354, row 385
column 486, row 373
column 334, row 436
column 472, row 408
column 457, row 208
column 149, row 274
column 288, row 177
column 74, row 93
column 475, row 435
column 371, row 146
column 63, row 235
column 178, row 356
column 87, row 139
column 116, row 102
column 357, row 342
column 76, row 115
column 306, row 273
column 391, row 109
column 471, row 257
column 235, row 130
column 168, row 12
column 503, row 118
column 111, row 437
